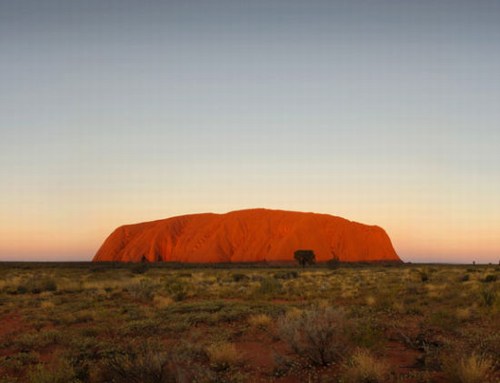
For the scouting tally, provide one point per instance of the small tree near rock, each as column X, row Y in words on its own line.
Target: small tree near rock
column 305, row 257
column 334, row 262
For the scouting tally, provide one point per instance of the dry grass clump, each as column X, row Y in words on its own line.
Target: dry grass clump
column 161, row 301
column 463, row 314
column 47, row 304
column 319, row 334
column 370, row 300
column 223, row 356
column 365, row 368
column 294, row 313
column 261, row 321
column 469, row 369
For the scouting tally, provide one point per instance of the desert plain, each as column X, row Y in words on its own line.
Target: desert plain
column 170, row 322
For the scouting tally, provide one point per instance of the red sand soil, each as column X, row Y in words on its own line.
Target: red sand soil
column 253, row 235
column 11, row 325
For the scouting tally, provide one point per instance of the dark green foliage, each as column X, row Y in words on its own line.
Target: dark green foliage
column 489, row 296
column 490, row 278
column 270, row 286
column 305, row 257
column 333, row 263
column 240, row 277
column 37, row 285
column 139, row 268
column 367, row 333
column 185, row 275
column 286, row 275
column 177, row 289
column 424, row 277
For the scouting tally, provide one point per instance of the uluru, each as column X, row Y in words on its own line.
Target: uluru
column 252, row 235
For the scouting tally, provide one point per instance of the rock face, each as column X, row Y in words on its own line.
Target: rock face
column 247, row 236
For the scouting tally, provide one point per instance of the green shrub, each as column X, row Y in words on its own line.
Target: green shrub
column 424, row 277
column 240, row 277
column 185, row 275
column 286, row 275
column 367, row 333
column 36, row 285
column 270, row 286
column 465, row 278
column 490, row 278
column 177, row 289
column 139, row 268
column 143, row 290
column 488, row 296
column 333, row 263
column 61, row 373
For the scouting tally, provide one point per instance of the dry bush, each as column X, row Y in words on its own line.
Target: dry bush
column 222, row 356
column 365, row 368
column 146, row 364
column 319, row 334
column 469, row 369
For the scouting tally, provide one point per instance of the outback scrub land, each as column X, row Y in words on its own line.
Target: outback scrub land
column 166, row 322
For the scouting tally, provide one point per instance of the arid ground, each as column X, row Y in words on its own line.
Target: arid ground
column 174, row 323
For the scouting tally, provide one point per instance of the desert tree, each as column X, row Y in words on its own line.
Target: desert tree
column 305, row 257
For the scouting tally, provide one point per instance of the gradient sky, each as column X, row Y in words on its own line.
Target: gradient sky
column 383, row 112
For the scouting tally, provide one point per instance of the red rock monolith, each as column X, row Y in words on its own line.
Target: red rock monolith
column 252, row 235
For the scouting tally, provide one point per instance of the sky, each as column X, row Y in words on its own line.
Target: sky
column 383, row 112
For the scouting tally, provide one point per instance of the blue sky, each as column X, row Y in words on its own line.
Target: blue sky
column 384, row 112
